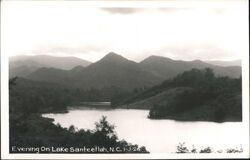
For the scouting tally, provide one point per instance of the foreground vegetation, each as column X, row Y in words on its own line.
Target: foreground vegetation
column 31, row 133
column 181, row 148
column 37, row 132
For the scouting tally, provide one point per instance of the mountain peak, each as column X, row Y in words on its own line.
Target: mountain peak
column 155, row 58
column 111, row 56
column 158, row 57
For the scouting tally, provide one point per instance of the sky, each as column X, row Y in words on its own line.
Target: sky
column 181, row 31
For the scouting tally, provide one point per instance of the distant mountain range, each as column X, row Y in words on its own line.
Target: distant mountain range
column 111, row 70
column 24, row 65
column 169, row 68
column 225, row 63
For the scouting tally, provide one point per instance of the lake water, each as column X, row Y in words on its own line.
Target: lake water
column 158, row 136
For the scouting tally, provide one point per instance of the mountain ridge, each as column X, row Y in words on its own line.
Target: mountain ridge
column 170, row 68
column 225, row 63
column 111, row 70
column 30, row 64
column 116, row 70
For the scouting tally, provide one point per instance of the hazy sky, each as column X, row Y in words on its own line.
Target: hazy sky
column 187, row 32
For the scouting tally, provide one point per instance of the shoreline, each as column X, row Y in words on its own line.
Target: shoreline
column 109, row 108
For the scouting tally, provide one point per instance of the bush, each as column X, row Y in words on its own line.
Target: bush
column 181, row 148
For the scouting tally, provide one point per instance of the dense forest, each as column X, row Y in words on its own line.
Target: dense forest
column 51, row 97
column 28, row 129
column 209, row 98
column 193, row 95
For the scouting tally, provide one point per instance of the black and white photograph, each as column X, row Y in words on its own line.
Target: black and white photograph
column 124, row 79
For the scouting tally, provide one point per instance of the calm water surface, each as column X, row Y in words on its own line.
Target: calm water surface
column 159, row 136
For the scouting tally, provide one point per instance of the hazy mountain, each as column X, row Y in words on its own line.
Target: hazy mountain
column 111, row 70
column 24, row 65
column 115, row 70
column 225, row 63
column 169, row 68
column 51, row 61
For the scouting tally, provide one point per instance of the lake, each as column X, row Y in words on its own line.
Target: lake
column 158, row 136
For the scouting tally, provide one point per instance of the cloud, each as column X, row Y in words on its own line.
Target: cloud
column 172, row 9
column 90, row 32
column 121, row 10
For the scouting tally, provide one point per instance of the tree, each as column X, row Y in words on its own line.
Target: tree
column 209, row 74
column 104, row 127
column 206, row 150
column 181, row 148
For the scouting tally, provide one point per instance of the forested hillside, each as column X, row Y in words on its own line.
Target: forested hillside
column 192, row 95
column 27, row 128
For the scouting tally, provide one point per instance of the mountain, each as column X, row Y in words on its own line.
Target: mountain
column 25, row 65
column 23, row 68
column 65, row 63
column 225, row 63
column 169, row 68
column 111, row 70
column 115, row 70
